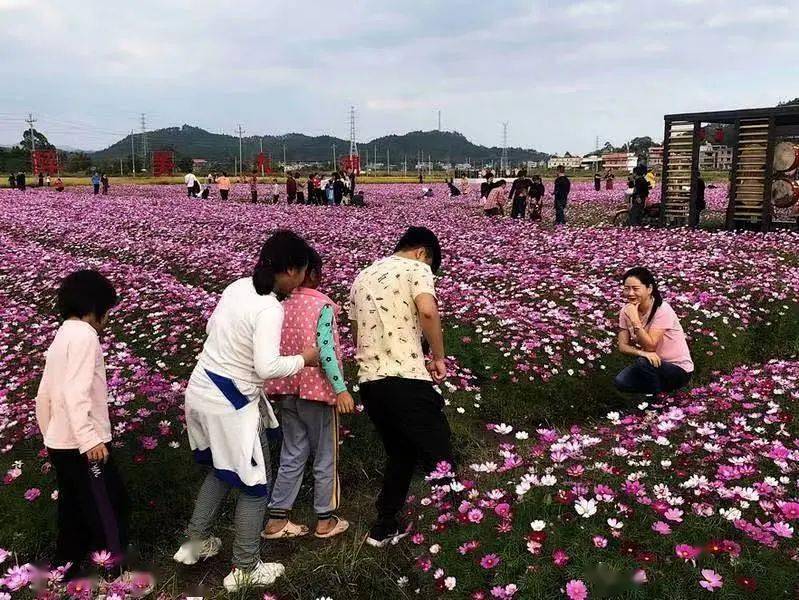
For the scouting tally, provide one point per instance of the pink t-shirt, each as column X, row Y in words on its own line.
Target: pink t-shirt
column 672, row 347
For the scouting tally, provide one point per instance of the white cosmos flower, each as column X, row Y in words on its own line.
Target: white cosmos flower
column 538, row 525
column 615, row 524
column 548, row 480
column 449, row 583
column 585, row 508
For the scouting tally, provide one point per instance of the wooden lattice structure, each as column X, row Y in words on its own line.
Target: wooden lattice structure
column 753, row 177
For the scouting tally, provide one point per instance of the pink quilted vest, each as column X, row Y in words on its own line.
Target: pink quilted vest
column 302, row 309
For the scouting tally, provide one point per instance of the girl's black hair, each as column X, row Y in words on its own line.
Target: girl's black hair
column 283, row 250
column 314, row 262
column 645, row 276
column 84, row 293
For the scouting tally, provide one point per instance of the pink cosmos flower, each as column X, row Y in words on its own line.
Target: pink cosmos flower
column 576, row 590
column 687, row 552
column 502, row 510
column 662, row 528
column 31, row 494
column 560, row 558
column 790, row 510
column 712, row 580
column 18, row 577
column 103, row 558
column 4, row 554
column 475, row 515
column 489, row 561
column 639, row 576
column 600, row 541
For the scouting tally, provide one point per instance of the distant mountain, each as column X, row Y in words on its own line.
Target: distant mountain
column 193, row 142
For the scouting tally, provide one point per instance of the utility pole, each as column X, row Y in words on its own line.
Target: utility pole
column 121, row 173
column 241, row 164
column 353, row 136
column 143, row 142
column 439, row 120
column 334, row 157
column 404, row 165
column 430, row 163
column 388, row 161
column 30, row 121
column 261, row 146
column 503, row 163
column 132, row 153
column 284, row 158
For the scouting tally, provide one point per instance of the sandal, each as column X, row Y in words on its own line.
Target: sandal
column 290, row 530
column 340, row 527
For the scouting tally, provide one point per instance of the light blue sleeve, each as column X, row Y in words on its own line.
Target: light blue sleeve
column 328, row 358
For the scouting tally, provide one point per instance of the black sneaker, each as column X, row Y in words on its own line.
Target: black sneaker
column 381, row 535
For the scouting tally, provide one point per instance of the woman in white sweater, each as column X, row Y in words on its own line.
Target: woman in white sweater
column 226, row 413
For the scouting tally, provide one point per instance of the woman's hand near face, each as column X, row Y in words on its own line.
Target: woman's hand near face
column 631, row 310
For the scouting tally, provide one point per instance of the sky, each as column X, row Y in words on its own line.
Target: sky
column 560, row 73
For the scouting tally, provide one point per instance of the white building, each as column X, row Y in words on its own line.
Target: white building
column 567, row 160
column 591, row 163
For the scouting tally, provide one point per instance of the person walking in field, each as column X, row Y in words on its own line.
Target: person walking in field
column 310, row 403
column 224, row 185
column 561, row 193
column 254, row 187
column 96, row 182
column 72, row 414
column 227, row 414
column 275, row 191
column 291, row 189
column 105, row 183
column 393, row 306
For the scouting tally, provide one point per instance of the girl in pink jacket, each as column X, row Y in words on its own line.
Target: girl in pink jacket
column 72, row 413
column 309, row 403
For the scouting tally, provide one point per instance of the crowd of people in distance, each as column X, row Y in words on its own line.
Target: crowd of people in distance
column 525, row 197
column 334, row 190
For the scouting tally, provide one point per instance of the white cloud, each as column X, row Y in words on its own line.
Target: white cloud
column 748, row 16
column 593, row 8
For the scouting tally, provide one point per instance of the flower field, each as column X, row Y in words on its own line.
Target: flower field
column 565, row 488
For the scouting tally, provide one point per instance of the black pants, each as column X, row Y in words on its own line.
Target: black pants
column 93, row 507
column 642, row 378
column 223, row 194
column 493, row 212
column 408, row 415
column 519, row 207
column 254, row 196
column 290, row 198
column 96, row 188
column 300, row 198
column 560, row 211
column 636, row 212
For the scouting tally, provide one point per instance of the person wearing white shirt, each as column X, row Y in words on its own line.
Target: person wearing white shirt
column 192, row 185
column 226, row 410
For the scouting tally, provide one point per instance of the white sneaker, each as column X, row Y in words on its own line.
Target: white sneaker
column 262, row 574
column 192, row 551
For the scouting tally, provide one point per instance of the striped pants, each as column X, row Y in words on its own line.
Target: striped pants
column 308, row 427
column 248, row 520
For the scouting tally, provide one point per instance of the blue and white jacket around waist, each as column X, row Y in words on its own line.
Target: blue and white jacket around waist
column 224, row 425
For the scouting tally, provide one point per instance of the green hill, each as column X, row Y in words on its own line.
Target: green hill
column 193, row 142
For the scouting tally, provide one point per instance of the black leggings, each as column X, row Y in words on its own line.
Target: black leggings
column 93, row 507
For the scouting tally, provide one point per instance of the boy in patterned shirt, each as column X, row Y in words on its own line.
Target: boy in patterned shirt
column 392, row 306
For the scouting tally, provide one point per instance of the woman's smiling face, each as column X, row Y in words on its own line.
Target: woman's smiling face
column 635, row 291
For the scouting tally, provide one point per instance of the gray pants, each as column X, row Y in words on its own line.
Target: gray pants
column 308, row 427
column 248, row 520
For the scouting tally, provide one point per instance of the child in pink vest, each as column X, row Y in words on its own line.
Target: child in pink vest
column 309, row 404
